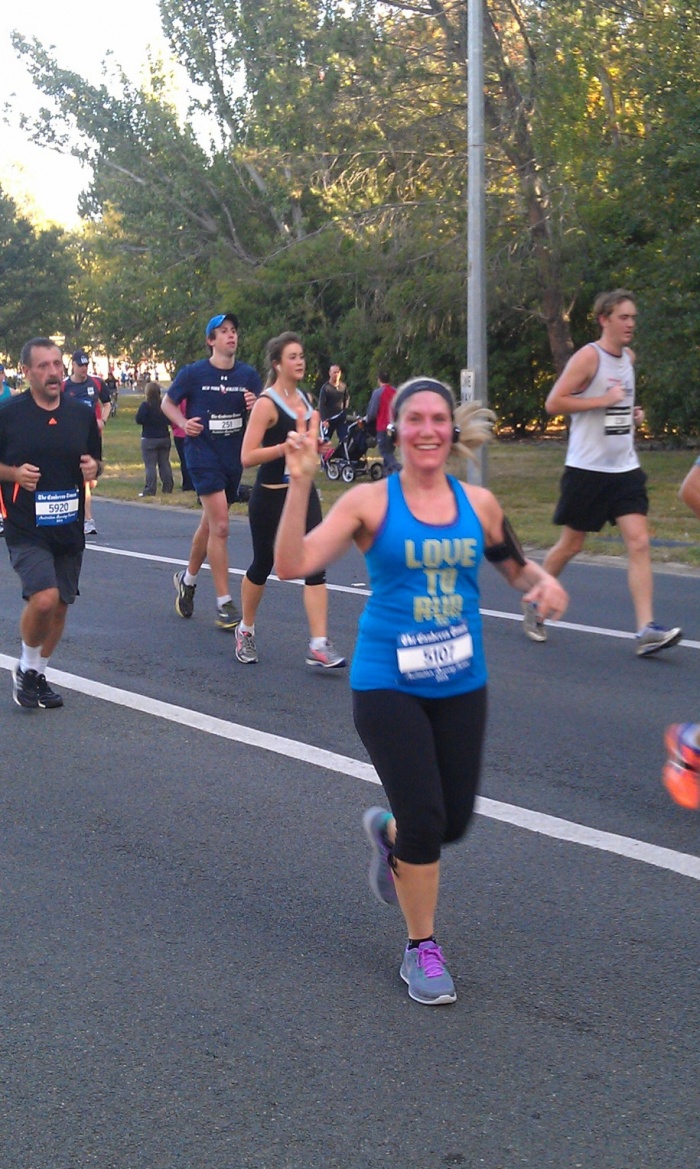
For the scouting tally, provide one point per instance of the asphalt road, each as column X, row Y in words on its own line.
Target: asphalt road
column 193, row 971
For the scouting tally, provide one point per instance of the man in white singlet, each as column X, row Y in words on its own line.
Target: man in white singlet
column 603, row 481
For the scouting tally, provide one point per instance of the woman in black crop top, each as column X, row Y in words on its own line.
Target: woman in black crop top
column 274, row 414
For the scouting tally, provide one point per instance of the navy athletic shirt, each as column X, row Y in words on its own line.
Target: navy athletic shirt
column 215, row 396
column 88, row 391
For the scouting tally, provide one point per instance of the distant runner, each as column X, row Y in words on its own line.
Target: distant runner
column 218, row 392
column 603, row 481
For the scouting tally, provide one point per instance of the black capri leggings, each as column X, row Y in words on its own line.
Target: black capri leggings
column 427, row 752
column 264, row 512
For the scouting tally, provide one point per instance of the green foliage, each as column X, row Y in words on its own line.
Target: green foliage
column 326, row 192
column 35, row 267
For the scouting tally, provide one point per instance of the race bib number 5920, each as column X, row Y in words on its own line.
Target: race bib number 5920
column 55, row 507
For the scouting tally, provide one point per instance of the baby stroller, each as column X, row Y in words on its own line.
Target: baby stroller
column 349, row 458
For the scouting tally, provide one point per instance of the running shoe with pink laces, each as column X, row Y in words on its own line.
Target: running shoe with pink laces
column 327, row 657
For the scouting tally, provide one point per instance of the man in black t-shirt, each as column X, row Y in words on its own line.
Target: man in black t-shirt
column 333, row 401
column 50, row 447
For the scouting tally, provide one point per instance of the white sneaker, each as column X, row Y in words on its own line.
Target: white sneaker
column 533, row 624
column 655, row 637
column 246, row 649
column 89, row 528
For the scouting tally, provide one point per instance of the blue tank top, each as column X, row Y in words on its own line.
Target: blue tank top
column 420, row 632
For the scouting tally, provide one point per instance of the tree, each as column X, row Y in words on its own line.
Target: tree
column 35, row 269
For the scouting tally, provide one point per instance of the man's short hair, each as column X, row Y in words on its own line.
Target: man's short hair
column 605, row 302
column 25, row 357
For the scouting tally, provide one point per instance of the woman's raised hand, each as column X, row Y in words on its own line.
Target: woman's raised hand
column 301, row 448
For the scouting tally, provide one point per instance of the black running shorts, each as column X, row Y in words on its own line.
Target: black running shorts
column 590, row 499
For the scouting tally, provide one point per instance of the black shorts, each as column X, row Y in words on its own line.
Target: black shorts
column 39, row 568
column 590, row 499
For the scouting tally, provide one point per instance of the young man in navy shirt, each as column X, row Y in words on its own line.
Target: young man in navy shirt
column 82, row 387
column 218, row 393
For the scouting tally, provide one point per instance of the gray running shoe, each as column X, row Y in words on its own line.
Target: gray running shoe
column 227, row 615
column 381, row 875
column 246, row 649
column 184, row 601
column 428, row 978
column 327, row 657
column 655, row 637
column 89, row 528
column 533, row 625
column 25, row 688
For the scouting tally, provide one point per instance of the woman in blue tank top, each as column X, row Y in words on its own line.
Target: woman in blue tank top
column 418, row 674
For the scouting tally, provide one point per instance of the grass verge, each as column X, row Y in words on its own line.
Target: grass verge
column 524, row 476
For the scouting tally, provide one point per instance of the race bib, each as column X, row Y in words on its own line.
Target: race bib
column 618, row 419
column 55, row 507
column 222, row 425
column 435, row 656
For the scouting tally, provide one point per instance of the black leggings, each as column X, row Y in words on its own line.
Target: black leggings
column 427, row 752
column 264, row 512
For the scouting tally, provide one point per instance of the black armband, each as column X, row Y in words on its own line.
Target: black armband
column 509, row 549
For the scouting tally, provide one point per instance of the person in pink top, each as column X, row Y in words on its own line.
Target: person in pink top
column 179, row 438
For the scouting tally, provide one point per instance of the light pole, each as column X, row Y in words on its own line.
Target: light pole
column 476, row 223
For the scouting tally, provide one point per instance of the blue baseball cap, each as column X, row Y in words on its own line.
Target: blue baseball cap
column 219, row 320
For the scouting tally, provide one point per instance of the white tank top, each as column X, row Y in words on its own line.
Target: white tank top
column 603, row 440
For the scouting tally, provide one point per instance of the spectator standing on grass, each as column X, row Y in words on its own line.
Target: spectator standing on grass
column 333, row 402
column 603, row 481
column 155, row 441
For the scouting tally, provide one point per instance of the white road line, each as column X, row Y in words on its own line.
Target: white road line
column 501, row 615
column 651, row 854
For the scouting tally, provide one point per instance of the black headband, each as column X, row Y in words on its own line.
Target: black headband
column 418, row 386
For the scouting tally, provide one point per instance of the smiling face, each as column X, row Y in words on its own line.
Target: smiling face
column 291, row 366
column 45, row 374
column 425, row 429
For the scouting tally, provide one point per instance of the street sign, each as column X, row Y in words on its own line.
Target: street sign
column 467, row 385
